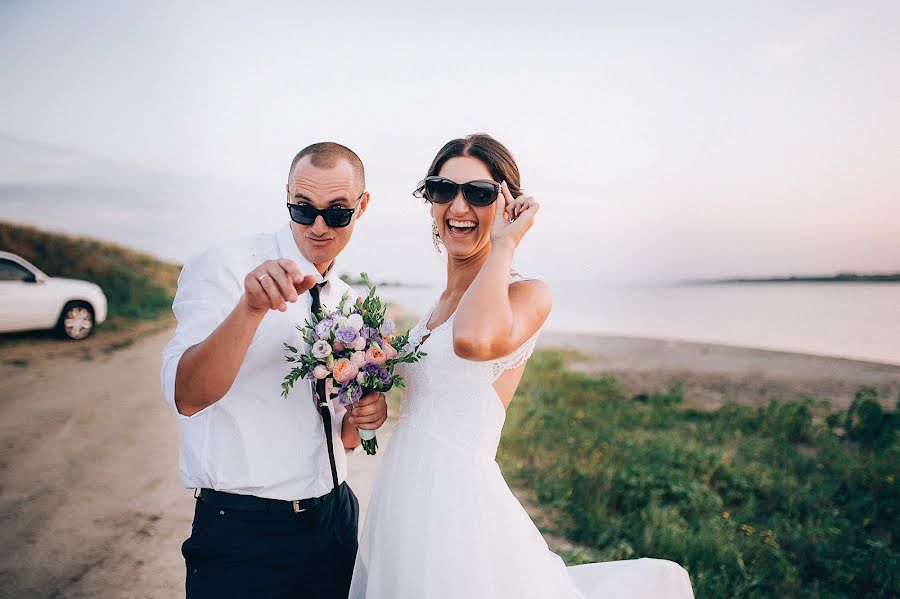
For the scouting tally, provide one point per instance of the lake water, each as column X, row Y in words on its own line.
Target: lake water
column 858, row 320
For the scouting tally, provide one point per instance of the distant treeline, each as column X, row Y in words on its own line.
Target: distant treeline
column 136, row 285
column 356, row 281
column 839, row 278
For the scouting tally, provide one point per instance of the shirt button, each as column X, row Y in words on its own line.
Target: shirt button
column 222, row 512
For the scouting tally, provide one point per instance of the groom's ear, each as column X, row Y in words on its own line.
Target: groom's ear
column 363, row 203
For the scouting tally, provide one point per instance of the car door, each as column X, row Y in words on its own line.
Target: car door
column 24, row 303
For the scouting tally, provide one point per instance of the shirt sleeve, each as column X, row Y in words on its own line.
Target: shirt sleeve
column 337, row 423
column 207, row 293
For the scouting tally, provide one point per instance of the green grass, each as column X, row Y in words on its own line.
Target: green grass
column 137, row 286
column 754, row 502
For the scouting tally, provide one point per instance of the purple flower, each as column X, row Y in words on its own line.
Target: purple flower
column 324, row 326
column 349, row 393
column 372, row 335
column 388, row 327
column 346, row 335
column 378, row 372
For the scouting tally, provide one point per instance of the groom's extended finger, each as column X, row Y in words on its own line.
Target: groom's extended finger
column 305, row 284
column 301, row 283
column 270, row 287
column 282, row 281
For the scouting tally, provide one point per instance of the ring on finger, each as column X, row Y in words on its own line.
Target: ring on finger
column 263, row 276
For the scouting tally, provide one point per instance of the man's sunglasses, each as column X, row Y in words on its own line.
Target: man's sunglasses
column 442, row 191
column 335, row 217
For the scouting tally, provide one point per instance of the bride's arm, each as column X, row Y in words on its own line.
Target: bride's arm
column 494, row 318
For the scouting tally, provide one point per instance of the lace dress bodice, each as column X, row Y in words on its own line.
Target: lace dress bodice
column 453, row 399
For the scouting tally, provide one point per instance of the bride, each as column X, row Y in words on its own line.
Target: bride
column 442, row 522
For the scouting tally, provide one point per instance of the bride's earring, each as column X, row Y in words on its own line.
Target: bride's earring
column 436, row 237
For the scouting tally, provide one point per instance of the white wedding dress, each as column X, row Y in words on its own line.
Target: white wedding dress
column 442, row 522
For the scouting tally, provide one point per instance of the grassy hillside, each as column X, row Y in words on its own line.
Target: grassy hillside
column 138, row 286
column 784, row 500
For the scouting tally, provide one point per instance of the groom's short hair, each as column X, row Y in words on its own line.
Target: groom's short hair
column 326, row 154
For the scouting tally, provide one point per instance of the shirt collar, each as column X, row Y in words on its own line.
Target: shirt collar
column 287, row 247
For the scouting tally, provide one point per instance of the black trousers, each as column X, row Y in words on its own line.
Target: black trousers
column 233, row 553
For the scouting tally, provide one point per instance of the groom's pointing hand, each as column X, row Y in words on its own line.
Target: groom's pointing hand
column 274, row 283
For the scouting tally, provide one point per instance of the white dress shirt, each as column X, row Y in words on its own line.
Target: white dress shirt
column 252, row 441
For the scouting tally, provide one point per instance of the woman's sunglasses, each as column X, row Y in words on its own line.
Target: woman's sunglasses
column 335, row 217
column 442, row 191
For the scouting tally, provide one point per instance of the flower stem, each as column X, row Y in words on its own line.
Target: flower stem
column 370, row 445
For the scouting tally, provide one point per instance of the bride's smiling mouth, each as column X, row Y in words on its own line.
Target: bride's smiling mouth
column 461, row 228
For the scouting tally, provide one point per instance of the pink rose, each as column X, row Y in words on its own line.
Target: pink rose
column 375, row 355
column 344, row 370
column 358, row 358
column 389, row 352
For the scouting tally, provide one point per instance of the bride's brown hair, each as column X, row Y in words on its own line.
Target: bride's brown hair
column 492, row 153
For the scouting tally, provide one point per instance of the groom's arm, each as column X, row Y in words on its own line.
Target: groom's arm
column 206, row 371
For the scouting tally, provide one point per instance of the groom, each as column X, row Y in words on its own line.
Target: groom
column 273, row 517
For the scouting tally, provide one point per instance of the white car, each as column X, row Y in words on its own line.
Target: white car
column 31, row 300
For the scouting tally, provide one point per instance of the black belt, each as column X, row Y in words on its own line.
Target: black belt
column 251, row 503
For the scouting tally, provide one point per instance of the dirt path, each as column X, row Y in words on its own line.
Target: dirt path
column 90, row 501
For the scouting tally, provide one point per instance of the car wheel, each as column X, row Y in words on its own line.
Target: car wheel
column 77, row 320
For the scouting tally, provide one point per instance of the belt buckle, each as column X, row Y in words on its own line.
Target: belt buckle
column 297, row 508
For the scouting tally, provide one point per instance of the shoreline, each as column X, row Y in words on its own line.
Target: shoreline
column 713, row 374
column 718, row 345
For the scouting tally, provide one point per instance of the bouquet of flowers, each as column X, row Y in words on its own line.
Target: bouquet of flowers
column 354, row 349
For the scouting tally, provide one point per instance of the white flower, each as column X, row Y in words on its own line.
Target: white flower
column 360, row 343
column 356, row 321
column 358, row 358
column 321, row 349
column 320, row 372
column 348, row 308
column 387, row 328
column 361, row 378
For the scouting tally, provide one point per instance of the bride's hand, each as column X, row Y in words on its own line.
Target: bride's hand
column 513, row 216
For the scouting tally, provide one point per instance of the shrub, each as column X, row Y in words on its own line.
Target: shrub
column 753, row 502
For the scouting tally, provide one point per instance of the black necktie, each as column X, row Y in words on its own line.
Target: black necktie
column 320, row 391
column 316, row 302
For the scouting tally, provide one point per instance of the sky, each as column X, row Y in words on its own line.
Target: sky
column 663, row 140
